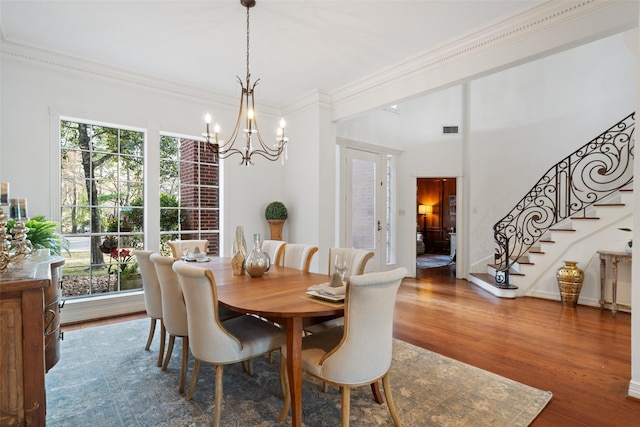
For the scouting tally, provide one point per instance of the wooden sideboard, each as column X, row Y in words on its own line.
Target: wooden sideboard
column 22, row 334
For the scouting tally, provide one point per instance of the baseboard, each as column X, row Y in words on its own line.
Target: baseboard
column 99, row 307
column 634, row 389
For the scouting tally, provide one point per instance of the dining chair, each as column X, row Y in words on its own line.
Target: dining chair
column 298, row 256
column 357, row 259
column 275, row 249
column 338, row 355
column 218, row 342
column 178, row 245
column 174, row 312
column 152, row 298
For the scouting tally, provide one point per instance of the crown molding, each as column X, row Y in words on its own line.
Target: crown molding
column 51, row 61
column 546, row 28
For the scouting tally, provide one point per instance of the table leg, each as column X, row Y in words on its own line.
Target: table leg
column 294, row 368
column 614, row 286
column 603, row 272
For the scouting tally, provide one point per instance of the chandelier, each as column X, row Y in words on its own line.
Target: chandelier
column 251, row 132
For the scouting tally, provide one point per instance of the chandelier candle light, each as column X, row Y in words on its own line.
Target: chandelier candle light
column 247, row 109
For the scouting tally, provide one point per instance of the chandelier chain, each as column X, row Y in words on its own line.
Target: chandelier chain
column 248, row 75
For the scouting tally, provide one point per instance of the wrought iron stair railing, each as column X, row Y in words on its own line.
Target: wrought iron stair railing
column 594, row 171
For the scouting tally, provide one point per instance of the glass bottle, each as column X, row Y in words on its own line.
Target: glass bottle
column 256, row 262
column 239, row 252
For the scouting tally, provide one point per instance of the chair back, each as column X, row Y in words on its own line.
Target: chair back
column 174, row 310
column 358, row 259
column 298, row 256
column 368, row 329
column 275, row 249
column 209, row 341
column 177, row 246
column 150, row 284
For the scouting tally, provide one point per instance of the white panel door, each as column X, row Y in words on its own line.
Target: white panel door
column 364, row 204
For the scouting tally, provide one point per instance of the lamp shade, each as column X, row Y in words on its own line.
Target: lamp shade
column 425, row 209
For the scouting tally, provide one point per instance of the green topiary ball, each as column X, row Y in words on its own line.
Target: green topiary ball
column 276, row 211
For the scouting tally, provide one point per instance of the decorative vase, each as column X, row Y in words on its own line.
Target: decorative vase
column 239, row 252
column 570, row 279
column 275, row 226
column 256, row 262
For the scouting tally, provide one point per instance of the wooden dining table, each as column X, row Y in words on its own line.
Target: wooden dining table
column 279, row 296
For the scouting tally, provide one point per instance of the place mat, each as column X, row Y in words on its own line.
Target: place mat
column 325, row 302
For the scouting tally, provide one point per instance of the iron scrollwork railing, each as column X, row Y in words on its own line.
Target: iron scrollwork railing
column 594, row 171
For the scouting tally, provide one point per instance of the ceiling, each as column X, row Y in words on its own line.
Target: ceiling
column 296, row 46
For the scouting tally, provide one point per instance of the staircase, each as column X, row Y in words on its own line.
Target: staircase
column 582, row 195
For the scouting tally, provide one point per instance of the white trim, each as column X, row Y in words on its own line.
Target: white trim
column 84, row 309
column 634, row 389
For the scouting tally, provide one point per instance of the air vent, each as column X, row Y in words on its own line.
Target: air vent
column 450, row 129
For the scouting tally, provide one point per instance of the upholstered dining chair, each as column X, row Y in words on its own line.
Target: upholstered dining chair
column 338, row 355
column 275, row 249
column 358, row 259
column 174, row 312
column 220, row 342
column 152, row 298
column 298, row 256
column 177, row 246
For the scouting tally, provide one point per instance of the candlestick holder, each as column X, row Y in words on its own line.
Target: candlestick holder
column 16, row 250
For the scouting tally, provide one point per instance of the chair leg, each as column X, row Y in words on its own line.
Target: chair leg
column 386, row 383
column 284, row 384
column 172, row 339
column 346, row 398
column 217, row 406
column 163, row 333
column 375, row 390
column 185, row 360
column 194, row 379
column 152, row 331
column 325, row 387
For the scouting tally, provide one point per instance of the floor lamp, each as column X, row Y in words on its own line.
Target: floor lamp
column 424, row 210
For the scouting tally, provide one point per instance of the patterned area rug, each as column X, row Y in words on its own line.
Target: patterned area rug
column 432, row 261
column 106, row 378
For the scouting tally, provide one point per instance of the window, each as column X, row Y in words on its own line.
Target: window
column 189, row 192
column 102, row 207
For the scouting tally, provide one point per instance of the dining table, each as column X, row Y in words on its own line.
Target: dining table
column 279, row 296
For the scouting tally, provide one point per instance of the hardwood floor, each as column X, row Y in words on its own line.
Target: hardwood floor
column 582, row 355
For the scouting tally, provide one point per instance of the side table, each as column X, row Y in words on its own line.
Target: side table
column 614, row 258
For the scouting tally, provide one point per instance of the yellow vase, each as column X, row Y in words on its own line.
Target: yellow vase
column 570, row 279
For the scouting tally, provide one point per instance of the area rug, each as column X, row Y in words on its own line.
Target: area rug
column 106, row 378
column 432, row 261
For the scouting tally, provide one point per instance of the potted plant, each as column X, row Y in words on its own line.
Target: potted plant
column 43, row 234
column 276, row 214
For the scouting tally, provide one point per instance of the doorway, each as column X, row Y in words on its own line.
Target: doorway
column 436, row 238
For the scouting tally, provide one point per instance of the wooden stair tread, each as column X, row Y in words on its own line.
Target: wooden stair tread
column 561, row 229
column 584, row 217
column 536, row 251
column 547, row 241
column 608, row 204
column 490, row 279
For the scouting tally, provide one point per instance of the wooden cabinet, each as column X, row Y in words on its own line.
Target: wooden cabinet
column 22, row 361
